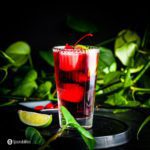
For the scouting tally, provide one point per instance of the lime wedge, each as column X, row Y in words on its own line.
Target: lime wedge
column 35, row 119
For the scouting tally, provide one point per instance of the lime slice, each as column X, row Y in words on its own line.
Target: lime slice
column 81, row 47
column 35, row 119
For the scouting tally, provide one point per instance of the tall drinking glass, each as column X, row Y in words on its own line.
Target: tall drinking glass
column 75, row 76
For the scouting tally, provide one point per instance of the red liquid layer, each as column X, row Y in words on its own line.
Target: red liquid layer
column 75, row 73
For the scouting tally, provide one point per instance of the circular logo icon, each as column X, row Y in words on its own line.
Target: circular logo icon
column 9, row 141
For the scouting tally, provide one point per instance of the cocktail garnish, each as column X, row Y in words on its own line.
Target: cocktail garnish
column 86, row 35
column 82, row 47
column 67, row 46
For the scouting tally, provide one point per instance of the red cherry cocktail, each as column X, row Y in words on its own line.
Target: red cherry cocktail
column 75, row 75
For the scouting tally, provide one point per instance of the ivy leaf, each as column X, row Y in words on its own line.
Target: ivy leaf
column 107, row 61
column 27, row 85
column 127, row 36
column 128, row 104
column 25, row 89
column 139, row 62
column 128, row 80
column 110, row 89
column 119, row 100
column 34, row 136
column 116, row 100
column 126, row 53
column 81, row 25
column 30, row 76
column 70, row 121
column 87, row 137
column 126, row 44
column 44, row 90
column 19, row 52
column 133, row 103
column 111, row 77
column 48, row 57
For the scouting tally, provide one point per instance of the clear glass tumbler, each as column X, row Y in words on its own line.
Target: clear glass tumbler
column 75, row 76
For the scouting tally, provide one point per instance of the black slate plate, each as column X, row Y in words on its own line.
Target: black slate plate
column 108, row 132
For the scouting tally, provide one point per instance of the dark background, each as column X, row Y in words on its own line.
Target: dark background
column 44, row 27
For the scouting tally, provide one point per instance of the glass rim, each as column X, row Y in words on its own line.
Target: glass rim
column 62, row 48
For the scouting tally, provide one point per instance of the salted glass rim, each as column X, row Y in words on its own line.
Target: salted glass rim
column 90, row 48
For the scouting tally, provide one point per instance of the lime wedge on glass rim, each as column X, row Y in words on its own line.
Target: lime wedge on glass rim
column 35, row 119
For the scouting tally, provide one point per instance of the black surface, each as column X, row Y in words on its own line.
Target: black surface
column 12, row 128
column 108, row 132
column 103, row 126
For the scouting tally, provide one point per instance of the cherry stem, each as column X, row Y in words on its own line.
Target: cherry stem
column 86, row 35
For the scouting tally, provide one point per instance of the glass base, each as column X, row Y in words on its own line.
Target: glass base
column 86, row 122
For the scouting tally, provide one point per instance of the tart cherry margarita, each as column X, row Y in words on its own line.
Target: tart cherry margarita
column 75, row 75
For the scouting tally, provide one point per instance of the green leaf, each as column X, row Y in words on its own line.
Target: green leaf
column 19, row 52
column 48, row 57
column 142, row 125
column 136, row 68
column 44, row 90
column 126, row 53
column 127, row 36
column 128, row 80
column 52, row 98
column 118, row 100
column 111, row 77
column 115, row 111
column 139, row 62
column 34, row 136
column 126, row 44
column 128, row 104
column 5, row 59
column 30, row 76
column 133, row 103
column 87, row 137
column 81, row 25
column 25, row 89
column 112, row 88
column 70, row 121
column 107, row 61
column 27, row 85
